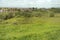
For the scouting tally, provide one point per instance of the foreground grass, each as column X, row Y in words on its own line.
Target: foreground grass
column 39, row 29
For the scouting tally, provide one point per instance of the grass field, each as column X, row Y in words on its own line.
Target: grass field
column 30, row 24
column 44, row 28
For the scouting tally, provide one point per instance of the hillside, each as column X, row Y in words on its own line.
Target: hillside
column 30, row 24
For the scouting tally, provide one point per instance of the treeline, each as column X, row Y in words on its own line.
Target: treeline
column 8, row 13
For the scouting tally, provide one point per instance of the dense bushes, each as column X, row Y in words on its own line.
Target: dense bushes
column 26, row 13
column 7, row 16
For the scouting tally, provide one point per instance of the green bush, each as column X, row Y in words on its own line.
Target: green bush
column 52, row 14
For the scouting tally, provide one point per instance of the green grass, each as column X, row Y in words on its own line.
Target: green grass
column 44, row 28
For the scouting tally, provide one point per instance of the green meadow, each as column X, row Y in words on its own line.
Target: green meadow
column 30, row 25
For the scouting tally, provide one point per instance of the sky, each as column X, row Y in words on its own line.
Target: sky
column 30, row 3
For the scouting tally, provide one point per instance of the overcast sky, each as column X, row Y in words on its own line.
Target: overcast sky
column 30, row 3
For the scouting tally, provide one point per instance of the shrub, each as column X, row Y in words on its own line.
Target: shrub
column 52, row 15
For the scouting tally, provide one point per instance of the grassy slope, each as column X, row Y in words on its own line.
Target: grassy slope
column 39, row 29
